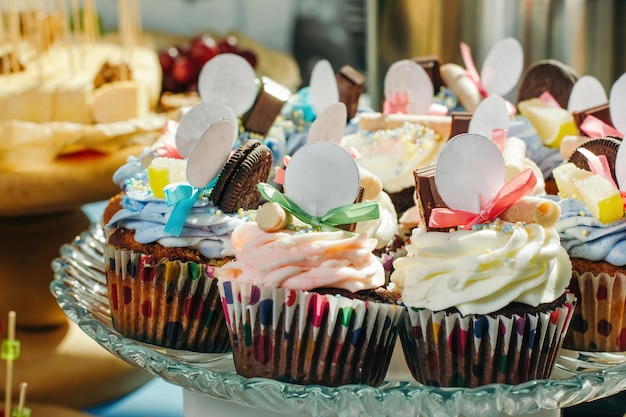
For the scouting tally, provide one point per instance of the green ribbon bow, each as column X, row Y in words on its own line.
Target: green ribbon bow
column 352, row 213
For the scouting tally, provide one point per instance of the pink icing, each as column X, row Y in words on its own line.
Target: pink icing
column 303, row 260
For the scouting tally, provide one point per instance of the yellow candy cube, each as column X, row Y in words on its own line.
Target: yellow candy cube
column 599, row 195
column 551, row 123
column 165, row 171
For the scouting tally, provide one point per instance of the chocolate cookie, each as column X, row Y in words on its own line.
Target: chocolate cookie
column 547, row 75
column 607, row 146
column 236, row 185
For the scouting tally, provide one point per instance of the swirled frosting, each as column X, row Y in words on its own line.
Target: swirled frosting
column 585, row 237
column 481, row 271
column 392, row 155
column 303, row 260
column 207, row 229
column 385, row 227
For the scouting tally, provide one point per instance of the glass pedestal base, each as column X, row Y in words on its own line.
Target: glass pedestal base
column 197, row 405
column 213, row 388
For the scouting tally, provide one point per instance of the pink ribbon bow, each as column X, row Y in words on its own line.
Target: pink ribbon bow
column 549, row 99
column 397, row 104
column 596, row 128
column 599, row 165
column 167, row 148
column 512, row 191
column 470, row 69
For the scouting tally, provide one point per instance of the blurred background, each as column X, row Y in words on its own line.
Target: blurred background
column 588, row 35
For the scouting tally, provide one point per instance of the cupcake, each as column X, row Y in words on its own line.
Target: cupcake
column 384, row 228
column 304, row 299
column 170, row 228
column 393, row 154
column 592, row 227
column 544, row 121
column 486, row 298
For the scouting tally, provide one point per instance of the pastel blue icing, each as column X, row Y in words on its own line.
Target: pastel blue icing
column 585, row 237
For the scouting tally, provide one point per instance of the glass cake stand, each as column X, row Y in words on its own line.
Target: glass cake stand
column 211, row 387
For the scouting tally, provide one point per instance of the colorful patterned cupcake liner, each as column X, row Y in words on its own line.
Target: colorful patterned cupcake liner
column 171, row 304
column 309, row 338
column 452, row 350
column 599, row 322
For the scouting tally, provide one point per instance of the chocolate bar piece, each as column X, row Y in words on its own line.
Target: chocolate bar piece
column 351, row 227
column 350, row 83
column 602, row 112
column 431, row 64
column 427, row 196
column 460, row 122
column 267, row 106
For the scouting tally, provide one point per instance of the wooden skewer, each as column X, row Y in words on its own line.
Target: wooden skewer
column 96, row 23
column 14, row 35
column 125, row 35
column 6, row 65
column 22, row 399
column 9, row 367
column 67, row 37
column 36, row 29
column 77, row 32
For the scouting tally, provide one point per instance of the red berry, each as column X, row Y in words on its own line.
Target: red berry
column 184, row 71
column 228, row 45
column 249, row 56
column 167, row 58
column 170, row 84
column 183, row 50
column 202, row 49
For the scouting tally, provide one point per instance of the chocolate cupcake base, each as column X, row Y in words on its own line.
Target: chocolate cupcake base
column 309, row 338
column 166, row 303
column 448, row 349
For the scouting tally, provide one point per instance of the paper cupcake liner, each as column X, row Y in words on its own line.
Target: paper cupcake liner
column 171, row 304
column 599, row 321
column 308, row 338
column 452, row 350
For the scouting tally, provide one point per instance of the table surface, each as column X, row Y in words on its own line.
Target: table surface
column 157, row 398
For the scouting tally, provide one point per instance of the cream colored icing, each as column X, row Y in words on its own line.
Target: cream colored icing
column 393, row 154
column 301, row 260
column 481, row 271
column 385, row 227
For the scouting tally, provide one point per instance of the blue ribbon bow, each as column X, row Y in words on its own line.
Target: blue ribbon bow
column 182, row 196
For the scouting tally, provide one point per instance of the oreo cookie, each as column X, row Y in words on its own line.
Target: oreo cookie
column 236, row 185
column 607, row 146
column 547, row 75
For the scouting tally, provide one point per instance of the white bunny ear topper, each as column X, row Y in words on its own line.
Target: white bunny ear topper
column 228, row 79
column 407, row 89
column 491, row 119
column 501, row 69
column 324, row 90
column 227, row 87
column 327, row 127
column 617, row 105
column 589, row 94
column 205, row 161
column 470, row 178
column 321, row 185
